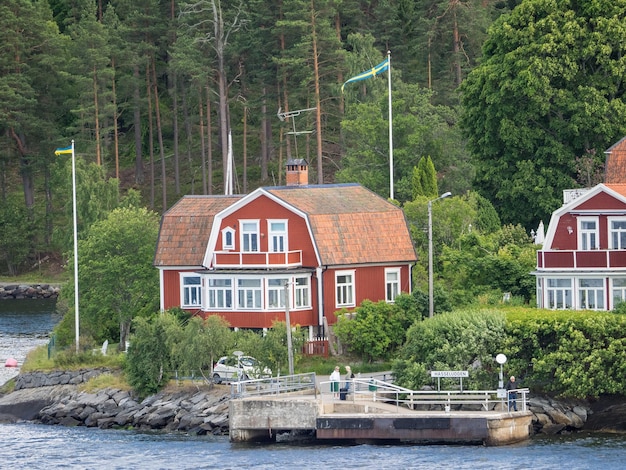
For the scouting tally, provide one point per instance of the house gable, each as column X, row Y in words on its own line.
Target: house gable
column 261, row 208
column 563, row 227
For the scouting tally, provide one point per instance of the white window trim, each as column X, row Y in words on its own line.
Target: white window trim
column 609, row 222
column 254, row 289
column 225, row 245
column 612, row 288
column 271, row 234
column 599, row 293
column 183, row 288
column 303, row 289
column 571, row 288
column 279, row 290
column 387, row 283
column 582, row 232
column 350, row 286
column 224, row 289
column 243, row 233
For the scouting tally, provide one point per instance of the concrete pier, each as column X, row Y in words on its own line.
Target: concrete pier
column 262, row 418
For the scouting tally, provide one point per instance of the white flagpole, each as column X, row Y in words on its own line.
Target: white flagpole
column 390, row 128
column 228, row 190
column 75, row 247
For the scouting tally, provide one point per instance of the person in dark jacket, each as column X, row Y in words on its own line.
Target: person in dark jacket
column 511, row 388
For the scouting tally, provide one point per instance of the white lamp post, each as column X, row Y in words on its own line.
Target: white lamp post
column 431, row 304
column 501, row 359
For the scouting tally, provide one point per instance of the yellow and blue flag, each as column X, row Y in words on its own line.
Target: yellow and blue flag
column 63, row 150
column 380, row 68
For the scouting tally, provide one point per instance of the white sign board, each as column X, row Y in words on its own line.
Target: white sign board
column 448, row 373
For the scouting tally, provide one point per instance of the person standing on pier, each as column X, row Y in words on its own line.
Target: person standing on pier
column 335, row 378
column 349, row 377
column 511, row 388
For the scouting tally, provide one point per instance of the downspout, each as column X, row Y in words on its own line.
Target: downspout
column 162, row 300
column 320, row 297
column 410, row 278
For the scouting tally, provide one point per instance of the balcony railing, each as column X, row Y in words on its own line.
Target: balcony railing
column 257, row 259
column 579, row 259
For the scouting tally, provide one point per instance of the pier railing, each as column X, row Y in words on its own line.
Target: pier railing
column 372, row 389
column 304, row 383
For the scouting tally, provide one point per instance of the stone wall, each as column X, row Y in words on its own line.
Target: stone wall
column 35, row 291
column 60, row 377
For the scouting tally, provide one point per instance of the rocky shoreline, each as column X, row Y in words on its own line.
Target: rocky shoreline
column 23, row 291
column 56, row 398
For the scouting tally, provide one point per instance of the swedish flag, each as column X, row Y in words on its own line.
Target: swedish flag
column 63, row 150
column 380, row 68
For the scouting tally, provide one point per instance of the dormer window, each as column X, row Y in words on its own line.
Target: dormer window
column 277, row 236
column 249, row 235
column 228, row 238
column 588, row 233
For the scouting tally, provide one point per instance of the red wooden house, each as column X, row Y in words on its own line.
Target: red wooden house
column 321, row 248
column 582, row 264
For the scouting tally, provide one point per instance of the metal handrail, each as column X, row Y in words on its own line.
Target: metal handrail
column 274, row 385
column 377, row 390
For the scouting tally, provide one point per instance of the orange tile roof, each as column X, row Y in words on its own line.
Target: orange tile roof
column 618, row 188
column 185, row 229
column 350, row 225
column 615, row 167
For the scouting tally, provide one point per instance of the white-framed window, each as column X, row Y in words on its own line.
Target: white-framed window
column 302, row 292
column 559, row 293
column 619, row 290
column 228, row 238
column 191, row 290
column 277, row 236
column 249, row 293
column 588, row 233
column 344, row 283
column 617, row 233
column 591, row 294
column 392, row 284
column 220, row 292
column 249, row 235
column 276, row 293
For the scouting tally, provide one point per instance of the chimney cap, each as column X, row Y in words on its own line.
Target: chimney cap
column 297, row 161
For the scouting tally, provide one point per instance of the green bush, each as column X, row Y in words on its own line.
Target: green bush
column 580, row 354
column 460, row 340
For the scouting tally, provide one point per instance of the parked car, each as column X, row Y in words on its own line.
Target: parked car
column 235, row 368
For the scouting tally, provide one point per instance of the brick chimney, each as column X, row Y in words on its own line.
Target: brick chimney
column 297, row 172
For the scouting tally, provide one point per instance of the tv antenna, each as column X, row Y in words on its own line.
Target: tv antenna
column 292, row 114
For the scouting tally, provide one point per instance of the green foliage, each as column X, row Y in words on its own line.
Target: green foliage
column 275, row 353
column 375, row 330
column 117, row 281
column 149, row 359
column 578, row 354
column 460, row 340
column 15, row 236
column 420, row 129
column 441, row 301
column 196, row 346
column 549, row 88
column 501, row 261
column 487, row 219
column 428, row 176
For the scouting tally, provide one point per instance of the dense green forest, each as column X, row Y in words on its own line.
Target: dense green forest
column 513, row 99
